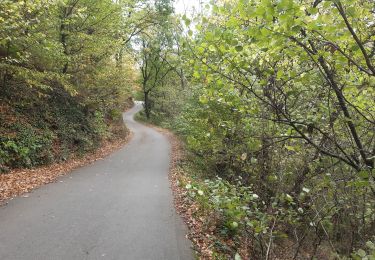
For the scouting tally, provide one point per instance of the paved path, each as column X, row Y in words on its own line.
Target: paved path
column 117, row 208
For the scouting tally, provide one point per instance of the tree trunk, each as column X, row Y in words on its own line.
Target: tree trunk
column 147, row 105
column 63, row 36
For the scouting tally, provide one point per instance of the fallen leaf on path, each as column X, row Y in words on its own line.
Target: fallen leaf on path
column 21, row 181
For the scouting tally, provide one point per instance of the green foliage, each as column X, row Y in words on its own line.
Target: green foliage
column 64, row 77
column 160, row 63
column 28, row 149
column 47, row 129
column 365, row 254
column 236, row 206
column 280, row 94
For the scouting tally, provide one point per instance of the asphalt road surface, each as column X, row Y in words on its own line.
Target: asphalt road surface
column 120, row 207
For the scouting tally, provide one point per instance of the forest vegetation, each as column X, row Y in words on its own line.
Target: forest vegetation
column 65, row 78
column 276, row 106
column 274, row 100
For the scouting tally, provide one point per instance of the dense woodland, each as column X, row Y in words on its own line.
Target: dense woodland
column 65, row 77
column 274, row 99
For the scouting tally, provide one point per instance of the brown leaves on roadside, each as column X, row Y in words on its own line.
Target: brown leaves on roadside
column 20, row 181
column 198, row 232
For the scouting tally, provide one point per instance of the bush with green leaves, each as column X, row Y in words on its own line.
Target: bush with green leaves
column 367, row 253
column 284, row 99
column 239, row 214
column 281, row 94
column 28, row 148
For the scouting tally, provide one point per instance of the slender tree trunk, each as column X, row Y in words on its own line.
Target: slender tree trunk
column 63, row 42
column 147, row 104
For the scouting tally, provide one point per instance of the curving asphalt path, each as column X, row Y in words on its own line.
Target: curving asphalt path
column 120, row 207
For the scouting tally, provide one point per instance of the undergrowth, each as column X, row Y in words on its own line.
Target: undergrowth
column 38, row 130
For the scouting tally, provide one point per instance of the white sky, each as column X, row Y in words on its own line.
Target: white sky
column 188, row 6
